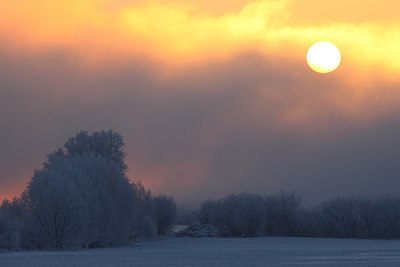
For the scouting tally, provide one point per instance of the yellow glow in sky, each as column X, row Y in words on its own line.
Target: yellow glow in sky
column 187, row 31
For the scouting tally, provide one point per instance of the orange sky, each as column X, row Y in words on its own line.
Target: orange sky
column 191, row 49
column 367, row 32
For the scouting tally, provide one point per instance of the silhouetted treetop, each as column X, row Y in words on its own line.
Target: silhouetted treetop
column 108, row 144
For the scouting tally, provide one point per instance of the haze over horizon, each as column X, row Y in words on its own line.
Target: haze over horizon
column 211, row 98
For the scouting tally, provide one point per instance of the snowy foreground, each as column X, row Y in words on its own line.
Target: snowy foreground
column 222, row 252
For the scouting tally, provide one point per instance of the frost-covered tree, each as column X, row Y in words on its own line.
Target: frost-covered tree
column 235, row 215
column 359, row 217
column 56, row 206
column 11, row 215
column 147, row 217
column 165, row 212
column 108, row 144
column 281, row 211
column 82, row 197
column 341, row 217
column 247, row 215
column 383, row 217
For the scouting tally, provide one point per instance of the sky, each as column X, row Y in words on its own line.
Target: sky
column 211, row 98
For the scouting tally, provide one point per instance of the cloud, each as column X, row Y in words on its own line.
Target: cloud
column 209, row 103
column 252, row 123
column 178, row 33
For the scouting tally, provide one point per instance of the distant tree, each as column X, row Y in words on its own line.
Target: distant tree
column 15, row 207
column 341, row 217
column 147, row 219
column 247, row 215
column 235, row 215
column 281, row 211
column 166, row 213
column 360, row 217
column 308, row 223
column 383, row 217
column 11, row 213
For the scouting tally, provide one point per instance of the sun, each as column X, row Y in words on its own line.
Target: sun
column 323, row 57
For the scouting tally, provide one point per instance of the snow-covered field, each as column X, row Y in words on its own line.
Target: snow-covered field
column 222, row 252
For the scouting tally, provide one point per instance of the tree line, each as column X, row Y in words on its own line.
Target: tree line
column 82, row 198
column 253, row 215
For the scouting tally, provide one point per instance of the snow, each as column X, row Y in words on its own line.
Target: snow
column 179, row 227
column 204, row 230
column 222, row 252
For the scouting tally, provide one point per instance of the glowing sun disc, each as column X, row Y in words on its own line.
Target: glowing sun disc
column 323, row 57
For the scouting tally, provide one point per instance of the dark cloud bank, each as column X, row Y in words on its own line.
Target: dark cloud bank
column 212, row 129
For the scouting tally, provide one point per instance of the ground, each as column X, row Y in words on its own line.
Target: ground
column 222, row 252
